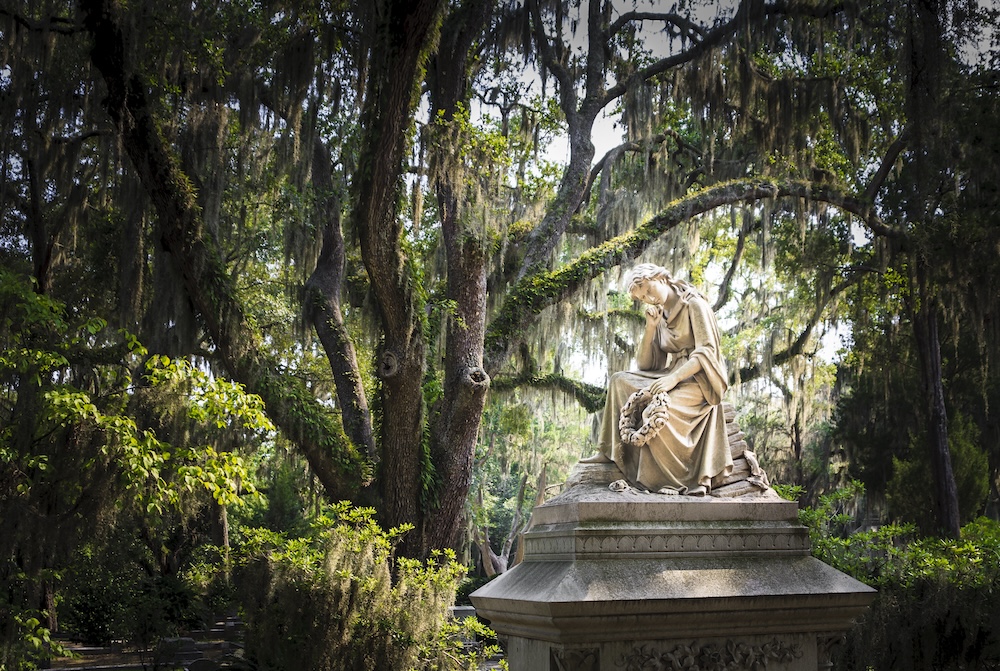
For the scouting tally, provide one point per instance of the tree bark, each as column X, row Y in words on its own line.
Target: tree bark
column 925, row 329
column 404, row 33
column 458, row 416
column 580, row 117
column 927, row 57
column 322, row 303
column 317, row 432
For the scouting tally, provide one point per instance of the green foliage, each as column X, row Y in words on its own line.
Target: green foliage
column 911, row 491
column 789, row 492
column 111, row 595
column 936, row 609
column 24, row 640
column 98, row 433
column 339, row 599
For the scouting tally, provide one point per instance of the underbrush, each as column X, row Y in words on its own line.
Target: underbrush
column 936, row 608
column 338, row 599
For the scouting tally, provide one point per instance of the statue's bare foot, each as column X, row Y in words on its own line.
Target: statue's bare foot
column 599, row 458
column 669, row 491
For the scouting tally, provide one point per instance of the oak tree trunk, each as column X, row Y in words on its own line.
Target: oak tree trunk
column 925, row 327
column 927, row 55
column 323, row 291
column 457, row 419
column 404, row 33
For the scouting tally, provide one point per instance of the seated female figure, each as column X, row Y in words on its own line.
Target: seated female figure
column 679, row 355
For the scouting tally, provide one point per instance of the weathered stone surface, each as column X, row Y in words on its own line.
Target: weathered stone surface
column 737, row 449
column 740, row 488
column 637, row 576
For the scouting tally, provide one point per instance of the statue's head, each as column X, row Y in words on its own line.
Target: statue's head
column 643, row 273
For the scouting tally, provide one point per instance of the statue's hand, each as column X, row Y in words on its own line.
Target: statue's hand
column 663, row 384
column 653, row 313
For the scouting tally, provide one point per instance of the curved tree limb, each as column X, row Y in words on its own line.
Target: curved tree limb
column 898, row 145
column 534, row 293
column 567, row 90
column 53, row 24
column 322, row 307
column 580, row 122
column 601, row 166
column 731, row 271
column 747, row 12
column 589, row 396
column 682, row 23
column 312, row 427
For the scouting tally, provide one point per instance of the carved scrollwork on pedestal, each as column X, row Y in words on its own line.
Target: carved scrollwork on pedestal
column 574, row 659
column 733, row 656
column 825, row 645
column 691, row 543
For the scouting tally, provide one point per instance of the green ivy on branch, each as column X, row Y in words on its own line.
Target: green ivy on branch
column 534, row 293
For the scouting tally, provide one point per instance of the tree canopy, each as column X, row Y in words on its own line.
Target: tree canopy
column 374, row 217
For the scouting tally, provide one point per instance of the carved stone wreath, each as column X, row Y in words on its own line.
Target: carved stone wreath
column 642, row 417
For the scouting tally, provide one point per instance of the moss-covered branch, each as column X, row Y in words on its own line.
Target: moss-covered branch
column 534, row 293
column 589, row 396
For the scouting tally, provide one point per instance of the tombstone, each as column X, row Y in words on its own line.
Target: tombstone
column 178, row 650
column 634, row 580
column 461, row 612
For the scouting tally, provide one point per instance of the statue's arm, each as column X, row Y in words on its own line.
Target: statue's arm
column 706, row 345
column 690, row 367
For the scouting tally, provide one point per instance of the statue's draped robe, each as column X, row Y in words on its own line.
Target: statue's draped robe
column 692, row 448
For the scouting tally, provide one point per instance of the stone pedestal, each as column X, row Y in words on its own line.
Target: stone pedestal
column 635, row 580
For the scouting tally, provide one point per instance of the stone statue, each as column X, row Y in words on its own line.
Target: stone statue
column 663, row 425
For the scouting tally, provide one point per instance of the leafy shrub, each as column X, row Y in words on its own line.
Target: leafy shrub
column 936, row 609
column 109, row 596
column 338, row 599
column 25, row 641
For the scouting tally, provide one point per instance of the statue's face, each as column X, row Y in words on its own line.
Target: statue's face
column 652, row 292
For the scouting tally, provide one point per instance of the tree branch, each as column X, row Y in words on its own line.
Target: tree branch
column 681, row 22
column 312, row 427
column 517, row 524
column 748, row 12
column 898, row 145
column 533, row 293
column 728, row 279
column 557, row 68
column 589, row 396
column 54, row 24
column 748, row 373
column 613, row 154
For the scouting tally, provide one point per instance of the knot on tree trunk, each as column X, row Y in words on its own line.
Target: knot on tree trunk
column 477, row 378
column 388, row 364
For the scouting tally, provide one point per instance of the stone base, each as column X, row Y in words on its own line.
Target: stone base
column 635, row 580
column 785, row 653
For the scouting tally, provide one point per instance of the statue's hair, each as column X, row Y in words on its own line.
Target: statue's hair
column 645, row 272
